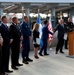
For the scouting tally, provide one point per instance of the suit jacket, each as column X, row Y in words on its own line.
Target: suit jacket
column 45, row 32
column 25, row 30
column 5, row 34
column 61, row 30
column 15, row 32
column 70, row 26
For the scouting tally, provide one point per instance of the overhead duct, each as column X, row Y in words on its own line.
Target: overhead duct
column 64, row 4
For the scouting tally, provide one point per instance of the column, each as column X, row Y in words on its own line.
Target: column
column 1, row 11
column 53, row 14
column 27, row 12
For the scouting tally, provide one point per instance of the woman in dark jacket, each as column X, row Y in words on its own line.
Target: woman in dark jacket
column 35, row 37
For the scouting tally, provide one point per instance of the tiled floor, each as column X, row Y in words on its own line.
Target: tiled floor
column 48, row 65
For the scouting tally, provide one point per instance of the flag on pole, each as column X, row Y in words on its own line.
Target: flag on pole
column 51, row 29
column 40, row 25
column 40, row 29
column 50, row 36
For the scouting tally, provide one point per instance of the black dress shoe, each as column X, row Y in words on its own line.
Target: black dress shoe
column 29, row 60
column 15, row 68
column 3, row 74
column 8, row 71
column 40, row 54
column 46, row 54
column 25, row 62
column 19, row 64
column 62, row 52
column 56, row 53
column 66, row 48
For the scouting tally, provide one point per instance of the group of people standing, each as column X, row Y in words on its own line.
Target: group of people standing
column 10, row 37
column 63, row 28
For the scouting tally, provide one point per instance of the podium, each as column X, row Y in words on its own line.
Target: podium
column 71, row 43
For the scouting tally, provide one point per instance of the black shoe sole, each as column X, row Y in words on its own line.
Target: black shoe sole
column 25, row 62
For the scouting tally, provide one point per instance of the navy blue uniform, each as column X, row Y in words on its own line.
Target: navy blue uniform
column 26, row 33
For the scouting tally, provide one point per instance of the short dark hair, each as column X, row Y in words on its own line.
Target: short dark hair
column 25, row 17
column 46, row 21
column 14, row 18
column 3, row 17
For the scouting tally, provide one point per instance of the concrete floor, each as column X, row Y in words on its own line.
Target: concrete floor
column 48, row 65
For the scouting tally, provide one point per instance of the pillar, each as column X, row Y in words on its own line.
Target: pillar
column 1, row 12
column 53, row 14
column 27, row 12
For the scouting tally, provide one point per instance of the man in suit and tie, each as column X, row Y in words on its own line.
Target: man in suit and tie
column 6, row 44
column 61, row 30
column 15, row 46
column 45, row 33
column 26, row 33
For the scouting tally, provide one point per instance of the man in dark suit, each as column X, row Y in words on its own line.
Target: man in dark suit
column 70, row 27
column 1, row 43
column 26, row 33
column 15, row 46
column 45, row 33
column 6, row 45
column 61, row 30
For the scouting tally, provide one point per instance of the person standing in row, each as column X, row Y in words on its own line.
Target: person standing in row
column 61, row 30
column 1, row 44
column 6, row 44
column 26, row 33
column 70, row 24
column 35, row 37
column 70, row 27
column 15, row 46
column 45, row 33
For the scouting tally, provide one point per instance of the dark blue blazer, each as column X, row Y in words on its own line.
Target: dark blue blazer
column 45, row 32
column 61, row 31
column 5, row 34
column 25, row 30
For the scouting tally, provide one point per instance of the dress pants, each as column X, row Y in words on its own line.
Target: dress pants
column 15, row 49
column 5, row 57
column 0, row 59
column 60, row 44
column 26, row 48
column 66, row 43
column 44, row 47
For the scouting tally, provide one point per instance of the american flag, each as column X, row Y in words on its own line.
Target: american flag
column 51, row 29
